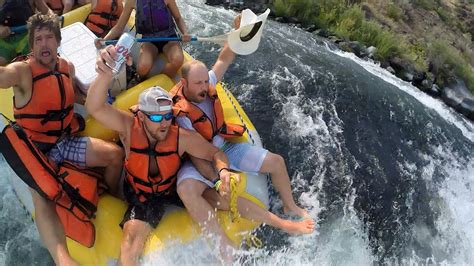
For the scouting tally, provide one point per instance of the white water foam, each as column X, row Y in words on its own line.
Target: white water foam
column 451, row 116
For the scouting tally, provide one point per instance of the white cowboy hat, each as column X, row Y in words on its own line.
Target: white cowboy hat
column 246, row 38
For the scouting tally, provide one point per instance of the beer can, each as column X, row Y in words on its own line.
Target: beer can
column 123, row 49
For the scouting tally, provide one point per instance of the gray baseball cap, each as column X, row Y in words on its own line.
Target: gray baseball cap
column 148, row 100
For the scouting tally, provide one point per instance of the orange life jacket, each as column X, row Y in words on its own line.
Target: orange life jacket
column 137, row 165
column 50, row 112
column 104, row 16
column 55, row 5
column 73, row 191
column 201, row 122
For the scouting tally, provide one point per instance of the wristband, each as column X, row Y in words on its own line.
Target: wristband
column 220, row 170
column 217, row 184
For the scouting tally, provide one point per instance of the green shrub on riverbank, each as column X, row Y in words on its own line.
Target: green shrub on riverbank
column 347, row 20
column 446, row 58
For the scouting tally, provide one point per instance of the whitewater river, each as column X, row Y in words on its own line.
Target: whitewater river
column 387, row 171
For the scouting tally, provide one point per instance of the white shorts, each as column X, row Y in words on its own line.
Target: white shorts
column 242, row 157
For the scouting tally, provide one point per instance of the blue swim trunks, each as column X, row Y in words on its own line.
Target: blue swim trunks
column 71, row 149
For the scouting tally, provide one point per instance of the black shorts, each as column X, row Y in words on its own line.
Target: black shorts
column 150, row 211
column 161, row 45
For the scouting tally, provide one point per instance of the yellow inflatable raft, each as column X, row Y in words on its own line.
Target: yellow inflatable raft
column 176, row 226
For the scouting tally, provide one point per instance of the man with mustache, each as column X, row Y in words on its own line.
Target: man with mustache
column 153, row 153
column 43, row 87
column 14, row 13
column 197, row 107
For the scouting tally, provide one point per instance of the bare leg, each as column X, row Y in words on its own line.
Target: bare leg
column 101, row 153
column 275, row 165
column 148, row 55
column 252, row 211
column 190, row 191
column 175, row 57
column 135, row 234
column 51, row 230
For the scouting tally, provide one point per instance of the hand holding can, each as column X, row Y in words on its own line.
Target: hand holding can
column 123, row 49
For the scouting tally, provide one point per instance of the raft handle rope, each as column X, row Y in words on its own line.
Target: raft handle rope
column 227, row 92
column 6, row 118
column 234, row 213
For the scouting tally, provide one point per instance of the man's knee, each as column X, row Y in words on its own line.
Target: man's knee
column 116, row 155
column 275, row 159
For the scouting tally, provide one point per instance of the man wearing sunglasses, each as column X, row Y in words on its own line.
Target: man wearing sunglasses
column 151, row 142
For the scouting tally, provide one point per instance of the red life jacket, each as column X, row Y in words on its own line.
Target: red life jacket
column 137, row 165
column 73, row 191
column 50, row 112
column 55, row 5
column 104, row 16
column 201, row 122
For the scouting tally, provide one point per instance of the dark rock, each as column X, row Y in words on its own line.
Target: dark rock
column 371, row 52
column 323, row 33
column 358, row 49
column 456, row 94
column 451, row 97
column 385, row 64
column 280, row 19
column 293, row 20
column 345, row 47
column 297, row 25
column 237, row 6
column 310, row 28
column 403, row 69
column 406, row 76
column 466, row 107
column 398, row 64
column 335, row 39
column 434, row 91
column 214, row 2
column 391, row 70
column 418, row 78
column 426, row 84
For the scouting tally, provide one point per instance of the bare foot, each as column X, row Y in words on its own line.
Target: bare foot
column 299, row 227
column 296, row 210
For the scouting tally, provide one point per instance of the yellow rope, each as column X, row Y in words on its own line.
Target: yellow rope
column 250, row 240
column 234, row 212
column 253, row 241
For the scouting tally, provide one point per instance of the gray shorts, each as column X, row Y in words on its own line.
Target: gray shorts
column 71, row 149
column 242, row 157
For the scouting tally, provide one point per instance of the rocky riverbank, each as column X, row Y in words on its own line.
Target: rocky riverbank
column 439, row 82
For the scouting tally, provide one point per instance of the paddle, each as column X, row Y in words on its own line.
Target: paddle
column 243, row 41
column 215, row 39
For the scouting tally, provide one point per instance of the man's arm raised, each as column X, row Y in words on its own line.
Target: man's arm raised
column 9, row 76
column 96, row 104
column 42, row 7
column 226, row 56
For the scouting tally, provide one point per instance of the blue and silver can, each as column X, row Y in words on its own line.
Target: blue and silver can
column 123, row 48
